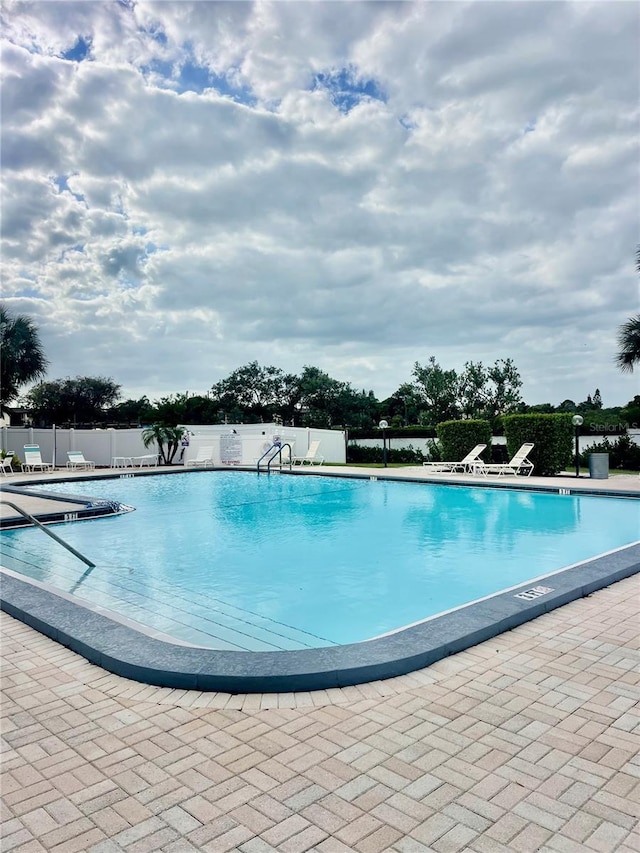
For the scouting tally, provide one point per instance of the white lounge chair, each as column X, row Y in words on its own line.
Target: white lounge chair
column 77, row 462
column 6, row 467
column 33, row 459
column 204, row 456
column 463, row 466
column 518, row 465
column 312, row 456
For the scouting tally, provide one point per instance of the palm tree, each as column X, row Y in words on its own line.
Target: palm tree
column 166, row 437
column 629, row 336
column 629, row 343
column 22, row 356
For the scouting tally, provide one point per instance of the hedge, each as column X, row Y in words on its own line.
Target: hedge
column 392, row 432
column 552, row 435
column 457, row 438
column 403, row 455
column 623, row 453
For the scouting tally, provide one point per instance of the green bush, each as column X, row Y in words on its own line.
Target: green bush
column 405, row 455
column 623, row 453
column 433, row 451
column 393, row 432
column 552, row 435
column 16, row 464
column 457, row 438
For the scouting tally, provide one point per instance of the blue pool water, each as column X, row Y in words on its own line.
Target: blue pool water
column 236, row 561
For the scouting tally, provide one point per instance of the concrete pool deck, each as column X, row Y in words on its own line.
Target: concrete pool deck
column 527, row 742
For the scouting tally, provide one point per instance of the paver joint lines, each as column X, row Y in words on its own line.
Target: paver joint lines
column 528, row 741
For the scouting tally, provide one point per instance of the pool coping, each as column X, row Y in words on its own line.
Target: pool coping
column 121, row 648
column 78, row 507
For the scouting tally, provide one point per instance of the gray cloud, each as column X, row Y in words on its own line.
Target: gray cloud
column 209, row 183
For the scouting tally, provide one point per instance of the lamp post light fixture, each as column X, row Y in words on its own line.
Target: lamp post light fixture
column 577, row 421
column 384, row 426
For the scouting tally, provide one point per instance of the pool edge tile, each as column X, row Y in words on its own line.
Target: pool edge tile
column 125, row 651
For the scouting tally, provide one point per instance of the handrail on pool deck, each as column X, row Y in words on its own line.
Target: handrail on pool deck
column 35, row 521
column 278, row 449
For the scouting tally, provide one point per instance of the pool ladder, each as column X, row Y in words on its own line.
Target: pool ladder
column 60, row 541
column 275, row 451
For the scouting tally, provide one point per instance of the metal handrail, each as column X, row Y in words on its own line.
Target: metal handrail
column 278, row 449
column 35, row 521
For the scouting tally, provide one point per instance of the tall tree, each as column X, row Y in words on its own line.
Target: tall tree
column 438, row 389
column 405, row 404
column 259, row 392
column 486, row 392
column 504, row 389
column 132, row 412
column 629, row 337
column 185, row 409
column 318, row 396
column 82, row 400
column 629, row 344
column 472, row 390
column 22, row 357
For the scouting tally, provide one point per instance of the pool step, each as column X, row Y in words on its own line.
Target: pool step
column 207, row 621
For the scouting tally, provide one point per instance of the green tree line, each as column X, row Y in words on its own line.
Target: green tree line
column 258, row 394
column 254, row 393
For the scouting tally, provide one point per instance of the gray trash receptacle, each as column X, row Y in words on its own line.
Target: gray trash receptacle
column 599, row 466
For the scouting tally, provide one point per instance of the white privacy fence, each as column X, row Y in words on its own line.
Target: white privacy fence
column 244, row 444
column 100, row 446
column 231, row 444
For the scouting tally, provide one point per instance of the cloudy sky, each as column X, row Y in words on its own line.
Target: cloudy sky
column 190, row 186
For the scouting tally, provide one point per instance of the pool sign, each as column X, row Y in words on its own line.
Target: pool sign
column 230, row 449
column 536, row 592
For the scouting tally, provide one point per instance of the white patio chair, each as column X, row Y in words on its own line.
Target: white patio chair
column 6, row 466
column 77, row 462
column 463, row 466
column 204, row 456
column 33, row 459
column 312, row 456
column 517, row 465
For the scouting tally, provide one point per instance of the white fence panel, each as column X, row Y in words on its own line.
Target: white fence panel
column 100, row 446
column 256, row 438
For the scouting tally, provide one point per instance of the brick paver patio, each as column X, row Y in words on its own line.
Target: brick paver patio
column 527, row 742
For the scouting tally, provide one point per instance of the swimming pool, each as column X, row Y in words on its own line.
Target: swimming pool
column 232, row 561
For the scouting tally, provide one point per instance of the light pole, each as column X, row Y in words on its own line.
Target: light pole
column 577, row 421
column 383, row 426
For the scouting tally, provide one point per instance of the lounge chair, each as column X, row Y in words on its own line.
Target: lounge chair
column 33, row 459
column 312, row 456
column 463, row 466
column 77, row 462
column 204, row 456
column 518, row 465
column 6, row 467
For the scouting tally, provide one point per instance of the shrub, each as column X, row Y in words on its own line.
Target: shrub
column 392, row 432
column 623, row 453
column 457, row 438
column 433, row 449
column 403, row 455
column 16, row 464
column 552, row 435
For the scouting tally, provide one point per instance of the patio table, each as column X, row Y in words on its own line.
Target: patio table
column 121, row 461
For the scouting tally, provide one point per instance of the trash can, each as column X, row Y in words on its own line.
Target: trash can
column 599, row 466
